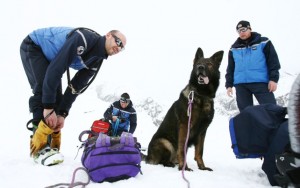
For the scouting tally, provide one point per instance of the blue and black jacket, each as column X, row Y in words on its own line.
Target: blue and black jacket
column 64, row 47
column 252, row 61
column 127, row 117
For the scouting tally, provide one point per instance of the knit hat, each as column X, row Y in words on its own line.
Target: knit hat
column 125, row 97
column 243, row 23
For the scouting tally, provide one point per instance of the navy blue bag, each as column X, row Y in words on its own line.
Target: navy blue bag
column 253, row 130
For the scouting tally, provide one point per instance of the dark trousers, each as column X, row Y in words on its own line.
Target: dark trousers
column 245, row 92
column 35, row 65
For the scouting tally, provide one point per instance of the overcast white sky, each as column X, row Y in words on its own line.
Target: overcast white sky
column 162, row 35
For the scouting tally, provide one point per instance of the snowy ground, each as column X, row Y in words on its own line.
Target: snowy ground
column 18, row 170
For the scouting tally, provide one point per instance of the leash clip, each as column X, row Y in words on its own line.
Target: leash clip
column 191, row 96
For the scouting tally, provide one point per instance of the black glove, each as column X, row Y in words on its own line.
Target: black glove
column 122, row 120
column 109, row 117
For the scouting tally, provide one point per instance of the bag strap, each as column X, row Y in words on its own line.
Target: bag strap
column 99, row 62
column 74, row 184
column 80, row 28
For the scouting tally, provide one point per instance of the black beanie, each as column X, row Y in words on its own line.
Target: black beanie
column 125, row 96
column 243, row 23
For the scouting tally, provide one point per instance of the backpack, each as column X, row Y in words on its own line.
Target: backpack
column 111, row 158
column 252, row 131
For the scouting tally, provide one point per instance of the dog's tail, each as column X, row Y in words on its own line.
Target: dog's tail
column 143, row 156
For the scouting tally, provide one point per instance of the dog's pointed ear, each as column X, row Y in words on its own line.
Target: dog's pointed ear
column 199, row 54
column 217, row 57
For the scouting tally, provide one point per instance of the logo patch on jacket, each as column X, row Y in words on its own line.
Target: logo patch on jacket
column 80, row 50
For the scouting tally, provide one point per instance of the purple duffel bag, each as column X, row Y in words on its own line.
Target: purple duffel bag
column 112, row 158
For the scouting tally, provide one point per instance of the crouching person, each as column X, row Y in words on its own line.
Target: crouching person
column 122, row 116
column 46, row 55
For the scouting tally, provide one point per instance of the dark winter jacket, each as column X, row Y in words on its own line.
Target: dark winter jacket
column 252, row 61
column 64, row 47
column 127, row 117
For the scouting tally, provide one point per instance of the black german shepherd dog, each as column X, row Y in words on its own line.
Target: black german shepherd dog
column 167, row 144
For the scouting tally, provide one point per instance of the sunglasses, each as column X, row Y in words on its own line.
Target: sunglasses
column 123, row 100
column 118, row 41
column 243, row 29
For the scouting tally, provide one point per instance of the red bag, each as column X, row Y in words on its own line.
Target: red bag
column 100, row 126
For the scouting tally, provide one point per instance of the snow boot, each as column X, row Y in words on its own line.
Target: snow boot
column 48, row 157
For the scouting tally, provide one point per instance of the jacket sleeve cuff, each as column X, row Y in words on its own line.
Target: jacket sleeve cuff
column 48, row 105
column 274, row 80
column 63, row 114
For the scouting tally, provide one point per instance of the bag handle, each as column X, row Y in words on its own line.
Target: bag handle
column 127, row 139
column 103, row 140
column 83, row 133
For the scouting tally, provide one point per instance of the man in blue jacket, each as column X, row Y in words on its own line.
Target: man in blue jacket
column 122, row 116
column 46, row 55
column 253, row 68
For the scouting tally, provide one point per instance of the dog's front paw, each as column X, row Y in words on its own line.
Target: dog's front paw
column 186, row 168
column 202, row 167
column 169, row 164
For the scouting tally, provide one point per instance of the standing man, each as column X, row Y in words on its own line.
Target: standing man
column 46, row 55
column 253, row 68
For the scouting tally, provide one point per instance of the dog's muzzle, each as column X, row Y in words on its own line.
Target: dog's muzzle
column 203, row 80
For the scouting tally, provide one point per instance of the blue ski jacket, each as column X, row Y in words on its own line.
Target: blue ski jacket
column 64, row 47
column 251, row 61
column 127, row 117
